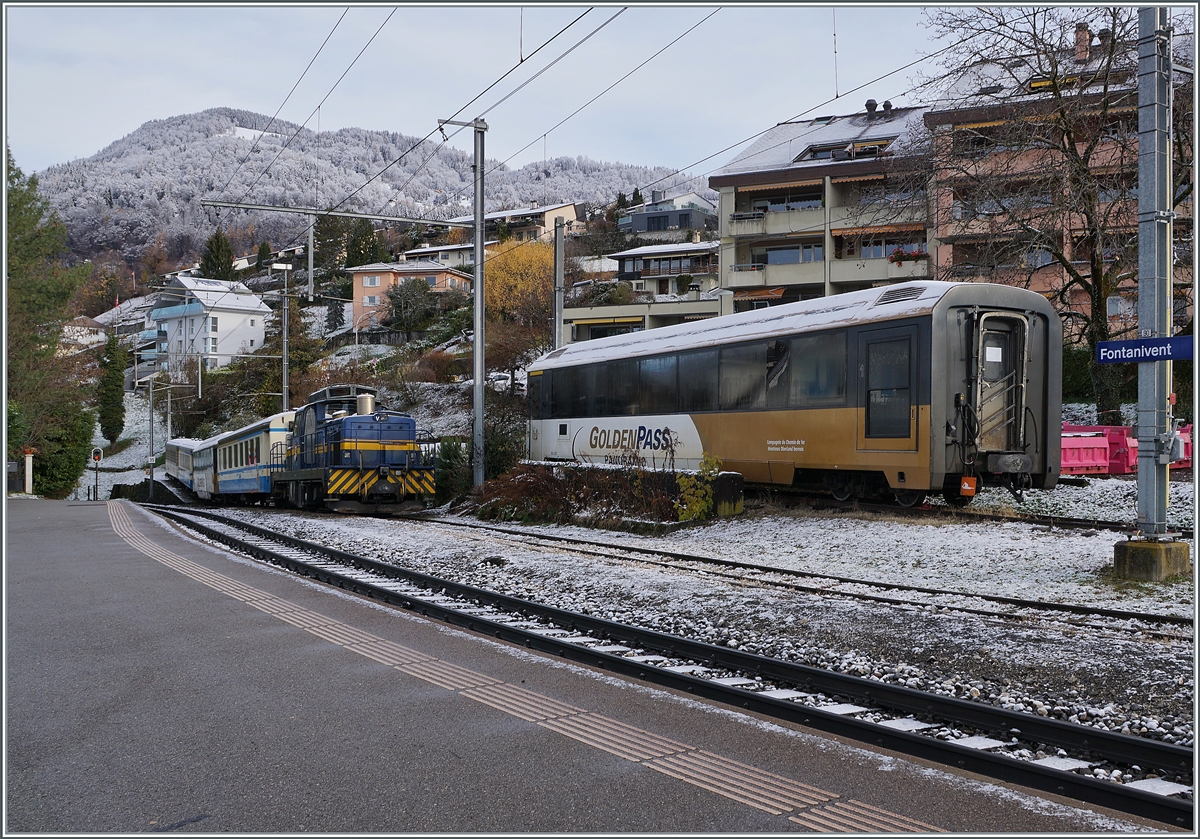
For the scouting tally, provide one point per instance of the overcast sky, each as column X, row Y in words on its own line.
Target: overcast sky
column 78, row 78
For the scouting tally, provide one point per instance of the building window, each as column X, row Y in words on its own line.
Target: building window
column 212, row 324
column 371, row 300
column 432, row 281
column 214, row 344
column 191, row 327
column 370, row 282
column 685, row 219
column 656, row 222
column 443, row 257
column 251, row 323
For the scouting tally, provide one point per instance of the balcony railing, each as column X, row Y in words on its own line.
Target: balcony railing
column 750, row 266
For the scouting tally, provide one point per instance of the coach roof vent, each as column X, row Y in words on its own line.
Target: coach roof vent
column 896, row 295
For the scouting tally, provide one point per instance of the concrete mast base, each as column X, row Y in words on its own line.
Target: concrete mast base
column 1152, row 561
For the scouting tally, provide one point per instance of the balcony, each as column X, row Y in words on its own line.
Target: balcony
column 876, row 270
column 792, row 273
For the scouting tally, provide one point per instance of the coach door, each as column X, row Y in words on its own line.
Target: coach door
column 1001, row 377
column 887, row 388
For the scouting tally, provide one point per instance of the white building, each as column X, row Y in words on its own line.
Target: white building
column 452, row 256
column 213, row 320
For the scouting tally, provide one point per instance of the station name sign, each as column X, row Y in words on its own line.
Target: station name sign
column 1145, row 349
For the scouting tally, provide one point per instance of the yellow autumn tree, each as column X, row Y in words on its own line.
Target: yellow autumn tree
column 519, row 282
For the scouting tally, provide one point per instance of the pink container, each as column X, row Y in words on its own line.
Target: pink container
column 1084, row 454
column 1122, row 446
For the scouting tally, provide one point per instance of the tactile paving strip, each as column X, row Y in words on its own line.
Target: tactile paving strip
column 855, row 817
column 743, row 783
column 746, row 784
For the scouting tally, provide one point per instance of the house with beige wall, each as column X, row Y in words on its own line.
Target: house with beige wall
column 371, row 284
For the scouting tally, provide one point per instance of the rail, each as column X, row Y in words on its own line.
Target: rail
column 1082, row 739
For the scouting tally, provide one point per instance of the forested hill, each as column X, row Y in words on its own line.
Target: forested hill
column 147, row 186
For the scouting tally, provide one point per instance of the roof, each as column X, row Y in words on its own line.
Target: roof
column 523, row 211
column 215, row 294
column 889, row 302
column 679, row 247
column 780, row 146
column 436, row 248
column 412, row 266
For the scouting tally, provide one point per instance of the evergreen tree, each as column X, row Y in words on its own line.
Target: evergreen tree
column 264, row 255
column 44, row 407
column 636, row 198
column 110, row 391
column 335, row 315
column 216, row 263
column 364, row 246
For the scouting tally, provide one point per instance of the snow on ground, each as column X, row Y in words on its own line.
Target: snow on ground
column 1104, row 675
column 128, row 466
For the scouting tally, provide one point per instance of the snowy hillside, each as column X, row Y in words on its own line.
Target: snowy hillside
column 152, row 181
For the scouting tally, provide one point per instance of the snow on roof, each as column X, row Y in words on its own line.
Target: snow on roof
column 214, row 294
column 806, row 315
column 522, row 211
column 679, row 247
column 129, row 311
column 780, row 146
column 436, row 248
column 410, row 266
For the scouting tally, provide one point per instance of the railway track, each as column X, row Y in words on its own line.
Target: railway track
column 833, row 585
column 822, row 501
column 1036, row 752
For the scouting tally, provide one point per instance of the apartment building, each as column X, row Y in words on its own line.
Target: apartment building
column 666, row 217
column 371, row 284
column 532, row 222
column 815, row 208
column 196, row 320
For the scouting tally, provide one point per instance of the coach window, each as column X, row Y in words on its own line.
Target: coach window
column 615, row 389
column 889, row 394
column 562, row 392
column 818, row 369
column 743, row 377
column 658, row 386
column 698, row 381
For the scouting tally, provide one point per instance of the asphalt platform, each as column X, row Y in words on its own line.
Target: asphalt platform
column 157, row 683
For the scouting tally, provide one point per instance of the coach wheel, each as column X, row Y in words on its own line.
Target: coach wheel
column 956, row 499
column 909, row 497
column 842, row 491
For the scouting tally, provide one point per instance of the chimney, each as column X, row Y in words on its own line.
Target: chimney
column 657, row 195
column 1105, row 37
column 694, row 291
column 695, row 237
column 871, row 106
column 1083, row 43
column 887, row 108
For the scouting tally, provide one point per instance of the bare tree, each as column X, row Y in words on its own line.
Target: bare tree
column 1030, row 161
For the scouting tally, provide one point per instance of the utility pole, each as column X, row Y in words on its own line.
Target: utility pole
column 150, row 494
column 312, row 222
column 559, row 280
column 1154, row 555
column 280, row 266
column 479, row 369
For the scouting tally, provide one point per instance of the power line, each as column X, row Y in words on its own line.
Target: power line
column 319, row 104
column 456, row 113
column 606, row 90
column 285, row 101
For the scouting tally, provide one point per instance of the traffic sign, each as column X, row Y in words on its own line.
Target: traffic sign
column 1145, row 349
